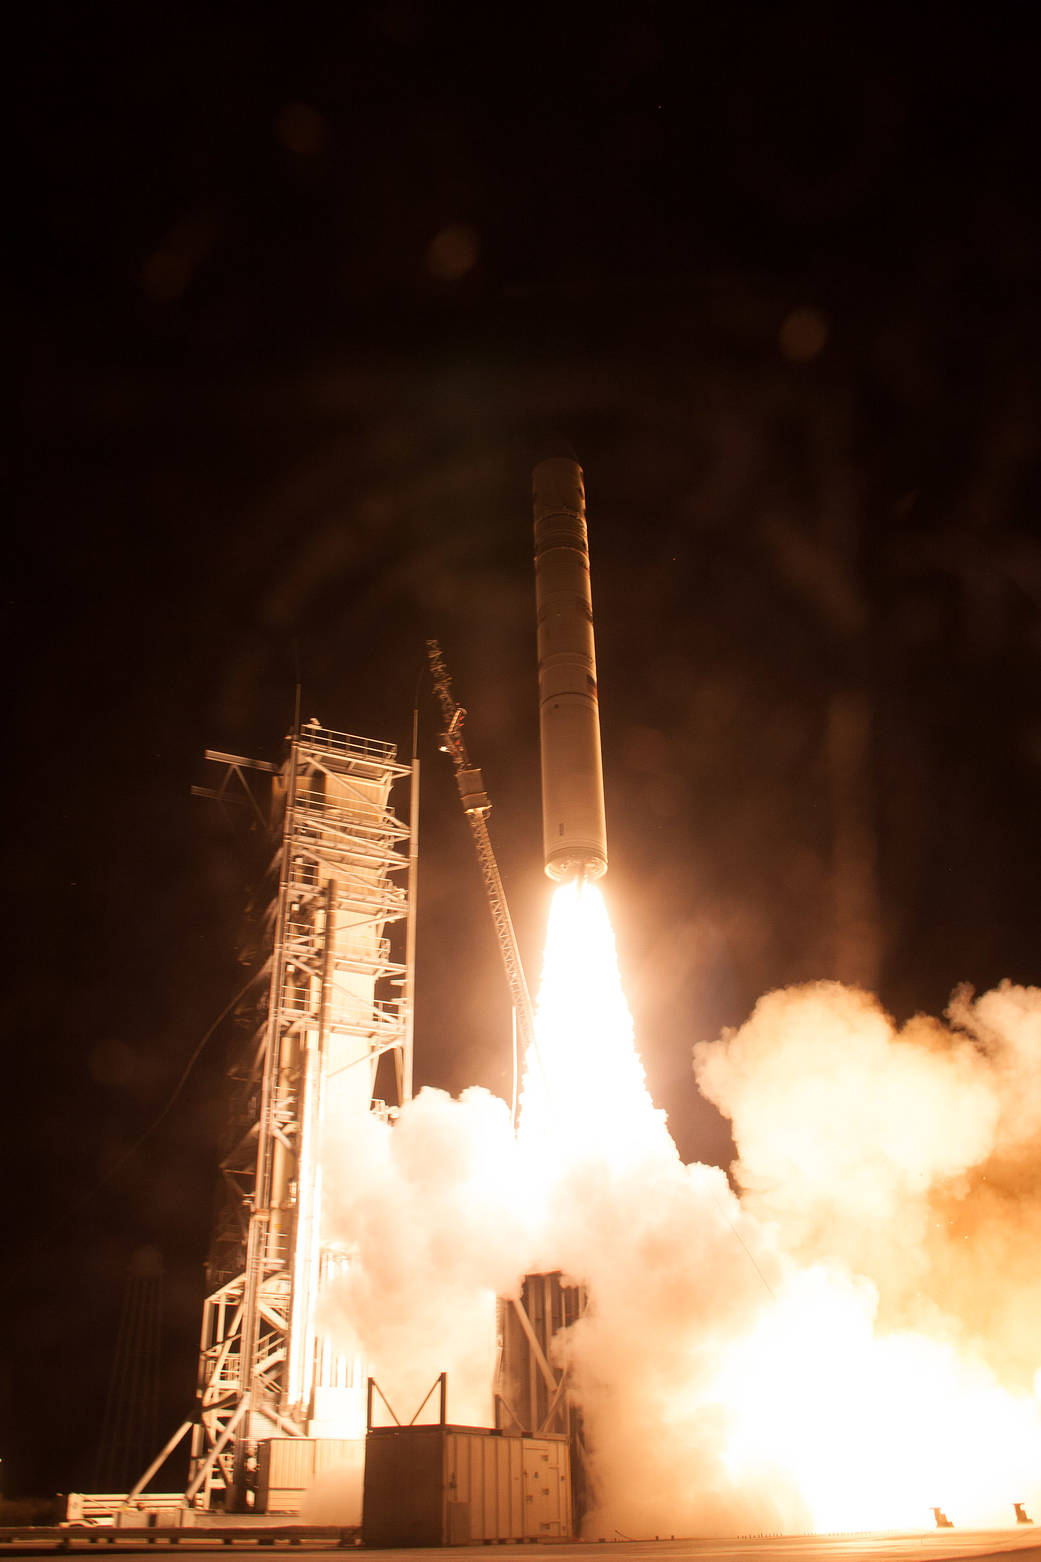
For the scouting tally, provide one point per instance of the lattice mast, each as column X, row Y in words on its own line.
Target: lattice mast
column 335, row 997
column 477, row 806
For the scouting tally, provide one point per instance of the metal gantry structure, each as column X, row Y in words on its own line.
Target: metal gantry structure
column 333, row 996
column 532, row 1386
column 477, row 806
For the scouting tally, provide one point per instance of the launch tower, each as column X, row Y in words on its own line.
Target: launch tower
column 330, row 1031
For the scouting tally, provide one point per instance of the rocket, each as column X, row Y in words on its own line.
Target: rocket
column 574, row 827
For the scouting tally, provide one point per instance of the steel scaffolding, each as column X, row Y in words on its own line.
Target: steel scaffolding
column 333, row 997
column 533, row 1390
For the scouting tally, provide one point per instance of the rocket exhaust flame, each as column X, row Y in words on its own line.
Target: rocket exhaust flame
column 590, row 1075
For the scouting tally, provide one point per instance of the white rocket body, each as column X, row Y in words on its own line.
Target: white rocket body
column 573, row 820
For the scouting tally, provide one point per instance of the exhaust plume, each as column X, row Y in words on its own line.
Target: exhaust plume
column 911, row 1156
column 845, row 1341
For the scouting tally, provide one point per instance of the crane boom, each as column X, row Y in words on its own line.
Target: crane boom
column 477, row 806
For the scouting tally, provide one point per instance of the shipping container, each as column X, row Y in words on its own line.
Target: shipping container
column 287, row 1467
column 450, row 1485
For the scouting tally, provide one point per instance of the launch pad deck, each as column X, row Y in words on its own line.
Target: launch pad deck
column 912, row 1546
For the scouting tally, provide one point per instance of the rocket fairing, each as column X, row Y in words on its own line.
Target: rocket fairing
column 574, row 827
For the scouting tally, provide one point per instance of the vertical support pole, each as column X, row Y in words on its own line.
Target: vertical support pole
column 443, row 1380
column 299, row 1389
column 405, row 1066
column 257, row 1238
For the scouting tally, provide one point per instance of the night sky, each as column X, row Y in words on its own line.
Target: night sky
column 298, row 296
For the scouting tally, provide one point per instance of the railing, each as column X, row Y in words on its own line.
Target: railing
column 374, row 820
column 316, row 736
column 302, row 939
column 379, row 1013
column 162, row 1519
column 389, row 1027
column 350, row 890
column 332, row 840
column 341, row 853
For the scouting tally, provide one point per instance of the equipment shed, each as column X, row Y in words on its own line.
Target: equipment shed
column 450, row 1485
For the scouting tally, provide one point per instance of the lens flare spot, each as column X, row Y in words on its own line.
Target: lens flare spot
column 453, row 252
column 803, row 334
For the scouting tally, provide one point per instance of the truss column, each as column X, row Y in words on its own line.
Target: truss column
column 260, row 1232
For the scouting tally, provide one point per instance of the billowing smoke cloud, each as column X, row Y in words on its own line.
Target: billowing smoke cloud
column 847, row 1340
column 909, row 1156
column 432, row 1230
